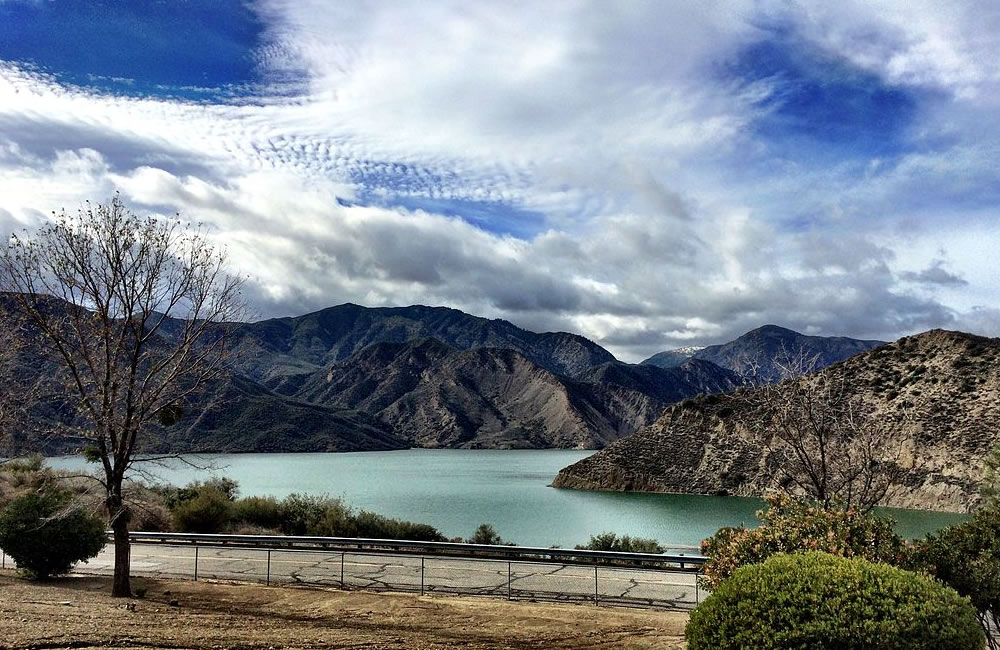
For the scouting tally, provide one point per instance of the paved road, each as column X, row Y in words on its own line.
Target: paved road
column 403, row 573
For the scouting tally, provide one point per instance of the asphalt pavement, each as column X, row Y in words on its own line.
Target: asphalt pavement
column 347, row 570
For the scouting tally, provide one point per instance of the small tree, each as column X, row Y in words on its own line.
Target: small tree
column 824, row 440
column 135, row 312
column 486, row 534
column 46, row 533
column 966, row 557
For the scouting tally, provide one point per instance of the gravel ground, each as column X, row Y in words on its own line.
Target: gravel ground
column 78, row 612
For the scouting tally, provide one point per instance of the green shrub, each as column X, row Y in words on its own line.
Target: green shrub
column 260, row 512
column 788, row 526
column 209, row 511
column 818, row 601
column 966, row 557
column 623, row 544
column 485, row 534
column 420, row 532
column 46, row 535
column 338, row 520
column 325, row 516
column 369, row 524
column 302, row 514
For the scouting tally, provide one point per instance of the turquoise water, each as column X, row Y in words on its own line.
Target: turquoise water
column 458, row 489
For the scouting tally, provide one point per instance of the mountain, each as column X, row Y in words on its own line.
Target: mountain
column 672, row 358
column 231, row 414
column 281, row 352
column 434, row 395
column 760, row 353
column 667, row 385
column 942, row 388
column 290, row 387
column 236, row 415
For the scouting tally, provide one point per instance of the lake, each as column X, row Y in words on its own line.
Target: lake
column 455, row 490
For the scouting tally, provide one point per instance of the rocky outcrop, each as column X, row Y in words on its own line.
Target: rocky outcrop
column 943, row 387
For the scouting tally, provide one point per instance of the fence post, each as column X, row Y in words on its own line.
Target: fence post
column 268, row 567
column 421, row 575
column 508, row 579
column 196, row 564
column 342, row 569
column 595, row 584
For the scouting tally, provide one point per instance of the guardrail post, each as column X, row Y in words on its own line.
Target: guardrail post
column 342, row 569
column 268, row 567
column 595, row 584
column 508, row 579
column 696, row 597
column 421, row 575
column 196, row 564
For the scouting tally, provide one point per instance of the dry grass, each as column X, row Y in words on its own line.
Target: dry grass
column 78, row 612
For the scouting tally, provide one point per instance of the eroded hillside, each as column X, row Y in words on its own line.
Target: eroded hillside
column 941, row 387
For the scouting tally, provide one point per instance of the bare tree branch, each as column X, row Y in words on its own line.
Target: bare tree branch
column 137, row 312
column 824, row 439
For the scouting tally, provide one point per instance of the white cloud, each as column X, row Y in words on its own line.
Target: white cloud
column 664, row 218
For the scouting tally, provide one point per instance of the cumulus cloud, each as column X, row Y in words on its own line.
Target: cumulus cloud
column 619, row 173
column 935, row 274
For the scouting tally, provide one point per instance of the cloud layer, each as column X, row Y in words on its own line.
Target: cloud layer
column 652, row 175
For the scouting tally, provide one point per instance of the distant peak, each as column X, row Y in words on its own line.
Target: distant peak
column 774, row 329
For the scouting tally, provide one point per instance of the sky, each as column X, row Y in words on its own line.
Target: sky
column 647, row 174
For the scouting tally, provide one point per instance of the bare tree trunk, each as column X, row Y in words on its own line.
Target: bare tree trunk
column 120, row 515
column 137, row 314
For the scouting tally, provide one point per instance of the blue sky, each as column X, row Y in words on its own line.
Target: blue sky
column 649, row 174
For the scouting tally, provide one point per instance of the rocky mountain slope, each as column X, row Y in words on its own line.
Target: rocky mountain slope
column 289, row 387
column 761, row 352
column 281, row 352
column 235, row 414
column 434, row 395
column 232, row 414
column 942, row 388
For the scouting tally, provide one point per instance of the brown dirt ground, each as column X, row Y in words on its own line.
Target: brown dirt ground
column 78, row 612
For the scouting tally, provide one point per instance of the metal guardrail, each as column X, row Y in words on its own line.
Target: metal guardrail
column 666, row 561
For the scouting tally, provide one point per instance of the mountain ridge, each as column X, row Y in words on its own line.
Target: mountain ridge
column 486, row 383
column 758, row 353
column 306, row 343
column 499, row 397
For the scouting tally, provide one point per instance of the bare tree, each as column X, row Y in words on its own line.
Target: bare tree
column 9, row 398
column 825, row 440
column 18, row 389
column 136, row 312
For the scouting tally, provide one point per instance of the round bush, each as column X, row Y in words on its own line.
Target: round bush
column 46, row 536
column 818, row 601
column 788, row 526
